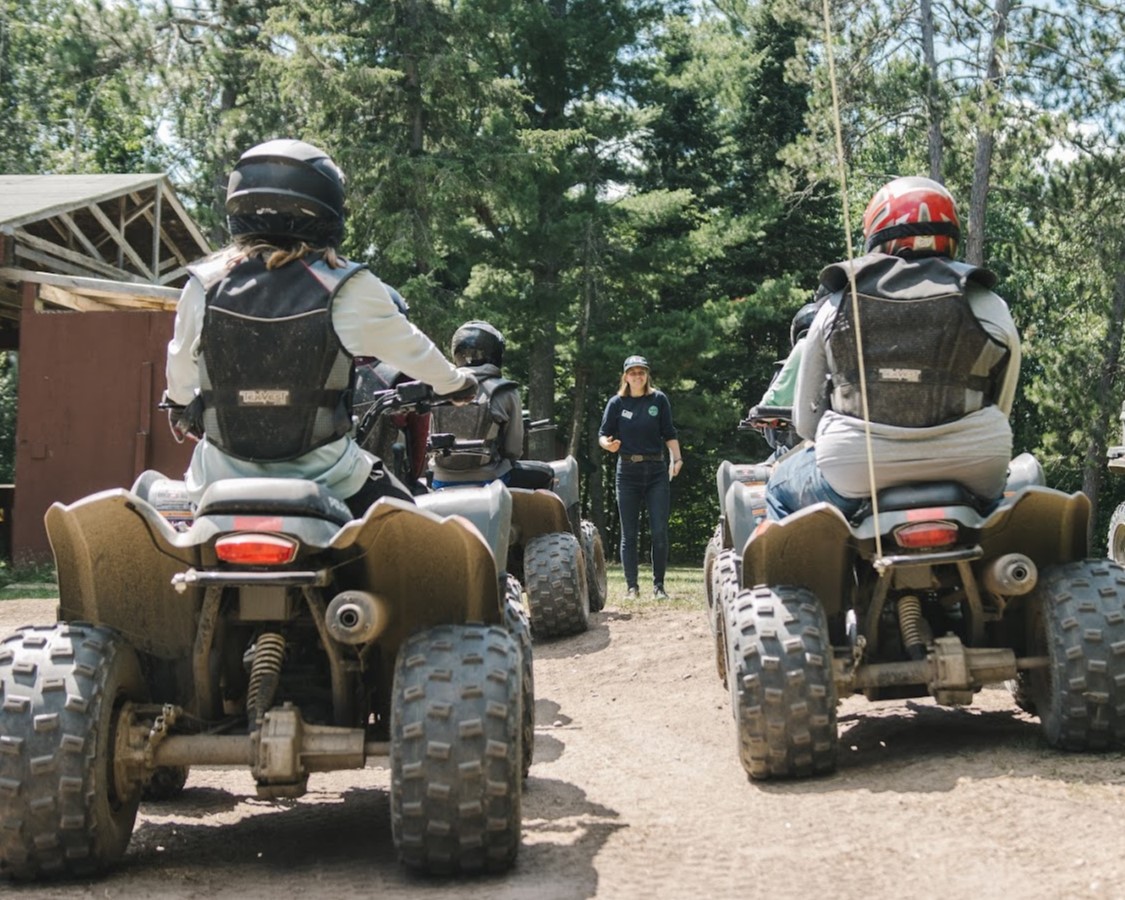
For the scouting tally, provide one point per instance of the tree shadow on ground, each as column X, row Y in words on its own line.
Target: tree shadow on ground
column 336, row 839
column 595, row 639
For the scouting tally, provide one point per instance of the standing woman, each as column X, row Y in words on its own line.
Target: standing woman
column 637, row 425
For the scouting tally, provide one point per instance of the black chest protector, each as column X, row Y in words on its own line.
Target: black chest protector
column 275, row 380
column 927, row 359
column 472, row 422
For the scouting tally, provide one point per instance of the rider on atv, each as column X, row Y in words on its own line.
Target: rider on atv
column 261, row 365
column 493, row 421
column 937, row 348
column 773, row 414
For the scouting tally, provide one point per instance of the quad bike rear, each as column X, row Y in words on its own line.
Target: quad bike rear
column 938, row 595
column 719, row 559
column 557, row 556
column 270, row 630
column 1115, row 540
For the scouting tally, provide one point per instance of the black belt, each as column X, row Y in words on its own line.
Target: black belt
column 641, row 457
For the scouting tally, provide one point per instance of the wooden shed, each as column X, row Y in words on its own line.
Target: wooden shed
column 91, row 267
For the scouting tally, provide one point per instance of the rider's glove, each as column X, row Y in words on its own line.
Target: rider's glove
column 467, row 393
column 185, row 421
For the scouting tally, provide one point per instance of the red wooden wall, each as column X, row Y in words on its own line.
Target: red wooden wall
column 89, row 385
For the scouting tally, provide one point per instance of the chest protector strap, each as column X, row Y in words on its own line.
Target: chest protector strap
column 472, row 422
column 275, row 380
column 927, row 358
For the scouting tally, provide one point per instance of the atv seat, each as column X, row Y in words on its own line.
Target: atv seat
column 532, row 474
column 272, row 497
column 918, row 496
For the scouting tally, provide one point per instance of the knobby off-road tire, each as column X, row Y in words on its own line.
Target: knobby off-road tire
column 1078, row 622
column 726, row 576
column 781, row 683
column 455, row 750
column 1021, row 690
column 517, row 622
column 714, row 545
column 1115, row 540
column 61, row 690
column 555, row 578
column 597, row 582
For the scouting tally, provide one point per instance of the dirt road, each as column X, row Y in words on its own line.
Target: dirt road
column 636, row 791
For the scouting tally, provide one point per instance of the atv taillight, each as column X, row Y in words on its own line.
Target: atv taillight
column 249, row 549
column 926, row 535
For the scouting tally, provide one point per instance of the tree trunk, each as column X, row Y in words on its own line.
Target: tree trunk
column 1094, row 467
column 933, row 108
column 541, row 387
column 982, row 159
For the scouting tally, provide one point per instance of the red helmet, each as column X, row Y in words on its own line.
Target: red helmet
column 913, row 215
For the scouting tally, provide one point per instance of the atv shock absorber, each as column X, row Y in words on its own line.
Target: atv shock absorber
column 910, row 626
column 265, row 672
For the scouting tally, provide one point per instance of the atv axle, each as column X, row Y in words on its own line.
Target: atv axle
column 951, row 671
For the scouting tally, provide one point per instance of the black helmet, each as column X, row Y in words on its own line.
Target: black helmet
column 801, row 321
column 476, row 343
column 287, row 189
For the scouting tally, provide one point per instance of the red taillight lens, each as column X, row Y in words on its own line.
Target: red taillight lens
column 249, row 549
column 926, row 535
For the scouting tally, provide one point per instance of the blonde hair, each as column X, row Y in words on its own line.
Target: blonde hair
column 623, row 389
column 275, row 257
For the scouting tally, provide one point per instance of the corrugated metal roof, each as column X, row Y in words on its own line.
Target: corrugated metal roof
column 27, row 198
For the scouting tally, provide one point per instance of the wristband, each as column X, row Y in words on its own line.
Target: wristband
column 676, row 461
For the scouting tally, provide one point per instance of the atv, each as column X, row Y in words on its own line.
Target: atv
column 269, row 629
column 558, row 556
column 1115, row 540
column 719, row 559
column 927, row 591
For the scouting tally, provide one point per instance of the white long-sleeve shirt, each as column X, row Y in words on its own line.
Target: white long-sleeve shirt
column 367, row 323
column 974, row 450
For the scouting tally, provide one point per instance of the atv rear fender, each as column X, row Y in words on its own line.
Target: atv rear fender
column 749, row 503
column 535, row 513
column 116, row 556
column 566, row 480
column 817, row 548
column 542, row 511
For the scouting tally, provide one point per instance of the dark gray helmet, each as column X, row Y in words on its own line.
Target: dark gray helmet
column 801, row 321
column 477, row 343
column 287, row 189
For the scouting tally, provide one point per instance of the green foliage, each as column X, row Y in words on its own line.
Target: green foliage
column 30, row 581
column 75, row 88
column 9, row 394
column 602, row 177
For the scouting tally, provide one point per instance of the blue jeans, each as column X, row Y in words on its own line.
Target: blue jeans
column 644, row 484
column 796, row 482
column 438, row 485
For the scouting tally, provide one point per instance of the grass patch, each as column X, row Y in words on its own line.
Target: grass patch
column 28, row 582
column 684, row 585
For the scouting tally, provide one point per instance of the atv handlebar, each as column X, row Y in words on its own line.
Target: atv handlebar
column 449, row 444
column 410, row 396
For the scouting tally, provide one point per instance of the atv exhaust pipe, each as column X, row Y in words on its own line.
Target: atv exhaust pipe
column 1011, row 575
column 357, row 617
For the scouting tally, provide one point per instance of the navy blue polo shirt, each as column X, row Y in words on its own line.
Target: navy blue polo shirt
column 642, row 424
